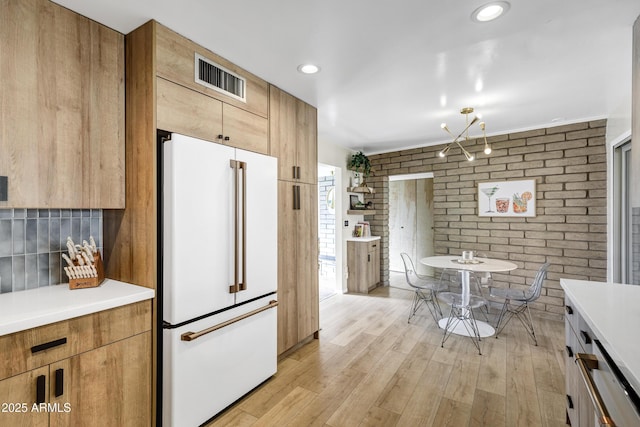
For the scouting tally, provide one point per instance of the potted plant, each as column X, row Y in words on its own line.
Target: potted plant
column 360, row 164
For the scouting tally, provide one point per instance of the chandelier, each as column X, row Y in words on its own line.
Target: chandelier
column 466, row 111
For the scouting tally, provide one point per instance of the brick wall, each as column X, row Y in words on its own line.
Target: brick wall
column 569, row 230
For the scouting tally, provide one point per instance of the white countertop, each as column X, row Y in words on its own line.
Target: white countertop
column 612, row 311
column 363, row 239
column 49, row 304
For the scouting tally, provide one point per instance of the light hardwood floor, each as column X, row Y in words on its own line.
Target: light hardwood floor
column 371, row 368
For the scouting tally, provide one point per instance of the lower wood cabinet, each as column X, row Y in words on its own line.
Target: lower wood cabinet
column 109, row 384
column 580, row 409
column 363, row 262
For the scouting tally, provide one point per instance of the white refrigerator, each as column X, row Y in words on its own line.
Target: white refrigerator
column 219, row 276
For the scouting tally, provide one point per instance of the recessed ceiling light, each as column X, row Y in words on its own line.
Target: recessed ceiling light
column 308, row 68
column 490, row 11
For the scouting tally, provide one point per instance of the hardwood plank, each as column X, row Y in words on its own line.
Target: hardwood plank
column 289, row 406
column 378, row 417
column 401, row 387
column 402, row 377
column 356, row 406
column 488, row 409
column 452, row 413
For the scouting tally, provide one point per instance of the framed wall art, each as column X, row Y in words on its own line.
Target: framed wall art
column 507, row 198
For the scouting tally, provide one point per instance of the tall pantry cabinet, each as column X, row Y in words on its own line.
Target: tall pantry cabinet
column 293, row 139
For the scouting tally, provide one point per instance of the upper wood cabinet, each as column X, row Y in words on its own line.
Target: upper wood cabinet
column 293, row 133
column 62, row 117
column 175, row 61
column 190, row 108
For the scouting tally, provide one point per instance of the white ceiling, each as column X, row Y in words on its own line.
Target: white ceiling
column 392, row 71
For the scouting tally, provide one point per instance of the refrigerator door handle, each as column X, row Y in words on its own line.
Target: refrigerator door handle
column 190, row 336
column 243, row 284
column 240, row 228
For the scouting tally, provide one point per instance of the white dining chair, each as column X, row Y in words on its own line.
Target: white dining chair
column 425, row 290
column 516, row 302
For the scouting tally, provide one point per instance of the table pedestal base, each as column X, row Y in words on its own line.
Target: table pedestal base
column 459, row 328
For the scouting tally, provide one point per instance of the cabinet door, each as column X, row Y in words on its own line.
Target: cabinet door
column 17, row 397
column 108, row 386
column 307, row 261
column 282, row 130
column 62, row 121
column 307, row 142
column 287, row 265
column 176, row 62
column 188, row 112
column 245, row 130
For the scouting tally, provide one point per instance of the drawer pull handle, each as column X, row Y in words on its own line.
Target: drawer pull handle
column 48, row 345
column 585, row 337
column 40, row 389
column 568, row 309
column 569, row 351
column 59, row 382
column 585, row 363
column 190, row 336
column 569, row 402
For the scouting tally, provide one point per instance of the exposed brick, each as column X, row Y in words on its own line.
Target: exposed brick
column 507, row 174
column 567, row 128
column 543, row 156
column 568, row 163
column 576, row 177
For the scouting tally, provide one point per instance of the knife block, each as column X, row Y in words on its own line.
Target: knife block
column 90, row 282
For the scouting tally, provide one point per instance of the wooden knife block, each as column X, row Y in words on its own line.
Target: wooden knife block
column 90, row 282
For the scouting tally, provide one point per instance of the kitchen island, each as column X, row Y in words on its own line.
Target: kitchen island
column 602, row 319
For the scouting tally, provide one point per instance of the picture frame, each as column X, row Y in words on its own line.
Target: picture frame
column 515, row 198
column 353, row 201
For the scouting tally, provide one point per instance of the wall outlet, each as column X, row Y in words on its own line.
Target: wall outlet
column 346, row 223
column 4, row 188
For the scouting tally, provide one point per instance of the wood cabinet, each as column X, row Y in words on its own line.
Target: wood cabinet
column 193, row 114
column 363, row 262
column 90, row 370
column 293, row 137
column 580, row 409
column 175, row 61
column 293, row 140
column 62, row 120
column 298, row 298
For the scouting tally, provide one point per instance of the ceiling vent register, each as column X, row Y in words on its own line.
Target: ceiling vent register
column 218, row 78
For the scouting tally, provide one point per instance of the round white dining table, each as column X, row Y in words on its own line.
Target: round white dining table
column 479, row 265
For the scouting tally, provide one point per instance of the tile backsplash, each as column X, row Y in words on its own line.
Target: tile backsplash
column 32, row 242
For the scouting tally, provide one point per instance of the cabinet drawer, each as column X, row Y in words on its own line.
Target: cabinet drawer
column 374, row 245
column 30, row 349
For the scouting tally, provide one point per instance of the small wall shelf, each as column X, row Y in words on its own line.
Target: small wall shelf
column 368, row 190
column 361, row 212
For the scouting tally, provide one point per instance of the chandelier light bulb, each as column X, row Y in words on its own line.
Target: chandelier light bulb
column 487, row 150
column 441, row 154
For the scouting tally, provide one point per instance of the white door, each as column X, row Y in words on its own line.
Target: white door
column 261, row 256
column 198, row 232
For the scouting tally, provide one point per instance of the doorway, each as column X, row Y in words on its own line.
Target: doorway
column 327, row 236
column 410, row 221
column 622, row 214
